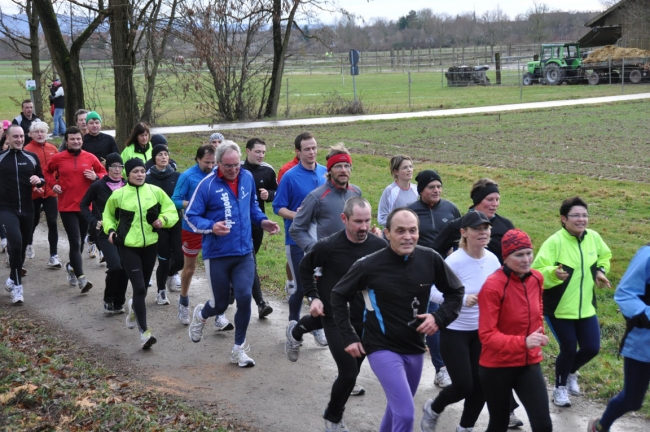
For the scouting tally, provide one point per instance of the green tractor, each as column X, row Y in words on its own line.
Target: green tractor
column 557, row 63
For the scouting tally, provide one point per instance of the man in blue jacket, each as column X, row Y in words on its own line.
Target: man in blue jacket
column 222, row 209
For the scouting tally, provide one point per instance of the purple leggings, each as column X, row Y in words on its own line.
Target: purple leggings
column 399, row 376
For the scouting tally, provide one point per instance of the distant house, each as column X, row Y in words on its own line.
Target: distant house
column 627, row 23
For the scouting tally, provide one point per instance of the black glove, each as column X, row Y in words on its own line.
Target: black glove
column 641, row 321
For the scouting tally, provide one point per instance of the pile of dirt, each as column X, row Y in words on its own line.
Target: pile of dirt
column 615, row 53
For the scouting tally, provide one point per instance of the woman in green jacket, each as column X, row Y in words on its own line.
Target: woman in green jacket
column 572, row 261
column 131, row 218
column 138, row 145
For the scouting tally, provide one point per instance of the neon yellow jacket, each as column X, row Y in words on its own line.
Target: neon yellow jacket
column 573, row 298
column 135, row 151
column 131, row 210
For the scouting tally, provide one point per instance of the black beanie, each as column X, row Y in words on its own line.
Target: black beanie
column 113, row 158
column 133, row 163
column 158, row 139
column 425, row 177
column 157, row 149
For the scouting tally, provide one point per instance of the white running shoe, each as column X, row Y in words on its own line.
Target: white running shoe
column 357, row 390
column 92, row 248
column 240, row 357
column 10, row 285
column 147, row 339
column 198, row 323
column 101, row 257
column 131, row 320
column 319, row 337
column 29, row 252
column 183, row 313
column 292, row 346
column 54, row 262
column 429, row 418
column 17, row 295
column 335, row 427
column 72, row 279
column 169, row 284
column 221, row 323
column 84, row 284
column 514, row 421
column 161, row 298
column 442, row 378
column 289, row 289
column 4, row 245
column 572, row 384
column 561, row 397
column 177, row 280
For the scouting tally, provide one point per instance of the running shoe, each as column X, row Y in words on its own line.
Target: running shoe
column 177, row 280
column 169, row 284
column 429, row 418
column 292, row 346
column 442, row 378
column 147, row 339
column 101, row 257
column 131, row 320
column 183, row 313
column 10, row 285
column 514, row 422
column 17, row 295
column 594, row 426
column 198, row 323
column 264, row 309
column 221, row 323
column 92, row 249
column 319, row 337
column 84, row 284
column 109, row 309
column 4, row 245
column 335, row 427
column 23, row 272
column 572, row 384
column 54, row 262
column 161, row 298
column 561, row 397
column 240, row 357
column 357, row 390
column 72, row 279
column 29, row 252
column 118, row 309
column 289, row 289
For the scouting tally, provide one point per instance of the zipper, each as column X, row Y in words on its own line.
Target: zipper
column 137, row 193
column 528, row 305
column 582, row 277
column 20, row 201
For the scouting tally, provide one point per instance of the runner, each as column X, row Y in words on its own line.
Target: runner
column 401, row 192
column 138, row 144
column 25, row 118
column 290, row 285
column 216, row 139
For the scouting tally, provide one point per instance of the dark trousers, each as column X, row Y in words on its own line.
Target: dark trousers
column 528, row 383
column 295, row 301
column 18, row 228
column 49, row 207
column 75, row 226
column 258, row 235
column 348, row 369
column 138, row 264
column 461, row 351
column 433, row 342
column 170, row 254
column 635, row 386
column 116, row 279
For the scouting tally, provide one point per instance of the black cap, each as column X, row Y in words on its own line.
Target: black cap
column 157, row 149
column 425, row 177
column 133, row 163
column 113, row 158
column 157, row 139
column 474, row 219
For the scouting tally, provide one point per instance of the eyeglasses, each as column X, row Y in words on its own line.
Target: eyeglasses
column 117, row 166
column 342, row 166
column 578, row 216
column 230, row 166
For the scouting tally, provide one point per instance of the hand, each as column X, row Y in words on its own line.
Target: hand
column 57, row 189
column 560, row 273
column 601, row 280
column 471, row 300
column 90, row 174
column 355, row 349
column 264, row 194
column 34, row 180
column 99, row 225
column 220, row 228
column 429, row 326
column 270, row 226
column 157, row 224
column 38, row 190
column 536, row 339
column 110, row 237
column 316, row 308
column 375, row 230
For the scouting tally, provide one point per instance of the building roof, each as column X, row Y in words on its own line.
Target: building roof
column 601, row 36
column 598, row 20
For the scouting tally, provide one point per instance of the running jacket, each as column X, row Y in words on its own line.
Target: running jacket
column 135, row 151
column 185, row 187
column 321, row 207
column 67, row 170
column 395, row 289
column 101, row 145
column 433, row 219
column 286, row 167
column 16, row 168
column 264, row 176
column 633, row 298
column 389, row 197
column 214, row 201
column 510, row 309
column 98, row 193
column 575, row 297
column 131, row 210
column 44, row 153
column 25, row 123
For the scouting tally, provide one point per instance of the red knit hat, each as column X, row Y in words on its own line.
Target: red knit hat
column 514, row 240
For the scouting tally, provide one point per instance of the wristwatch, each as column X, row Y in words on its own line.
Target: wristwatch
column 310, row 299
column 602, row 269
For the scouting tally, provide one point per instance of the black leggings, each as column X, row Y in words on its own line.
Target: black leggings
column 530, row 386
column 116, row 280
column 75, row 226
column 258, row 236
column 49, row 207
column 461, row 350
column 138, row 264
column 18, row 227
column 170, row 254
column 348, row 369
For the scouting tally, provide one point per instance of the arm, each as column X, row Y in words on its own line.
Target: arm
column 300, row 227
column 98, row 168
column 168, row 213
column 344, row 293
column 604, row 254
column 256, row 214
column 51, row 171
column 272, row 186
column 451, row 288
column 196, row 209
column 281, row 201
column 108, row 217
column 316, row 257
column 384, row 207
column 446, row 239
column 86, row 202
column 546, row 262
column 38, row 172
column 633, row 286
column 180, row 191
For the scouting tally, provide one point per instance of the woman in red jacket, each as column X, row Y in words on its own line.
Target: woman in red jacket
column 511, row 330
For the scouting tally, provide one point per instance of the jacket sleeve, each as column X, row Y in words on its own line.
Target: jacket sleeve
column 604, row 254
column 316, row 257
column 300, row 227
column 108, row 217
column 168, row 213
column 86, row 201
column 256, row 214
column 545, row 262
column 633, row 285
column 50, row 172
column 445, row 240
column 342, row 294
column 196, row 209
column 98, row 167
column 272, row 186
column 452, row 289
column 114, row 148
column 489, row 303
column 38, row 172
column 384, row 207
column 281, row 199
column 180, row 191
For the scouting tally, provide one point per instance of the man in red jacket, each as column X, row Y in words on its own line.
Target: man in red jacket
column 70, row 174
column 44, row 198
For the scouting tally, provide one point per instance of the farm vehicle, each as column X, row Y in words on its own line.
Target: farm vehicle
column 463, row 76
column 563, row 63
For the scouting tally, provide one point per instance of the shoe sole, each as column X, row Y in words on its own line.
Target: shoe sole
column 189, row 329
column 17, row 302
column 152, row 340
column 268, row 310
column 566, row 405
column 246, row 365
column 359, row 393
column 86, row 288
column 54, row 267
column 227, row 327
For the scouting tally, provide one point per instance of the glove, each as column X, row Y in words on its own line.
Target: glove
column 640, row 320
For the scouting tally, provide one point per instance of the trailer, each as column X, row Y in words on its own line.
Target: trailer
column 633, row 70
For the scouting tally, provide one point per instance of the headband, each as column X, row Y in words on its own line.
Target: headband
column 480, row 194
column 338, row 158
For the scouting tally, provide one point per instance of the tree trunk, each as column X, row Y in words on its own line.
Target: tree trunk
column 126, row 100
column 34, row 55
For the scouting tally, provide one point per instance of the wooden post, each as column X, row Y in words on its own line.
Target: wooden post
column 497, row 61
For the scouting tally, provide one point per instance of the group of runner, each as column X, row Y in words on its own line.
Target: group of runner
column 371, row 292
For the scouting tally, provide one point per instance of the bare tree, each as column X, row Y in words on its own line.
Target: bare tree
column 635, row 16
column 537, row 22
column 466, row 24
column 441, row 28
column 495, row 25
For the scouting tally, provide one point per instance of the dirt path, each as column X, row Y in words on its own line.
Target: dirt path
column 275, row 395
